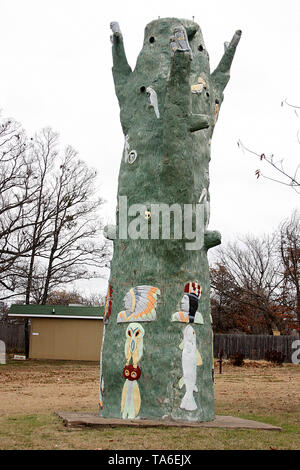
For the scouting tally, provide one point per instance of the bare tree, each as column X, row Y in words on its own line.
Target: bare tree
column 63, row 297
column 75, row 250
column 252, row 277
column 289, row 249
column 50, row 229
column 44, row 153
column 18, row 187
column 285, row 177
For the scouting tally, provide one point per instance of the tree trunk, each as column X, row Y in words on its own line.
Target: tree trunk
column 298, row 307
column 49, row 270
column 169, row 106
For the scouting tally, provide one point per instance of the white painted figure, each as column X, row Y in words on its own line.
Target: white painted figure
column 152, row 98
column 191, row 358
column 180, row 41
column 126, row 148
column 203, row 200
column 114, row 26
column 129, row 155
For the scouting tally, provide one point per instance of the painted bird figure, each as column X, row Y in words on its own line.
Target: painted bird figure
column 131, row 397
column 134, row 343
column 152, row 99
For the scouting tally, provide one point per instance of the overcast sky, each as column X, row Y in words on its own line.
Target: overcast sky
column 56, row 71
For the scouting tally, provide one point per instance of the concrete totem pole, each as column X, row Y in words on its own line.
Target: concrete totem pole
column 156, row 358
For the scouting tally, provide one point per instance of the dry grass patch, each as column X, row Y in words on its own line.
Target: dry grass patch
column 30, row 391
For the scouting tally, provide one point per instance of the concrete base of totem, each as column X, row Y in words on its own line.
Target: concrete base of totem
column 79, row 420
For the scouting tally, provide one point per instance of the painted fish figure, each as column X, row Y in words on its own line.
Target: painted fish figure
column 191, row 358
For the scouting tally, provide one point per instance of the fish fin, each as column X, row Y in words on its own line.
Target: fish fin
column 181, row 345
column 181, row 382
column 198, row 358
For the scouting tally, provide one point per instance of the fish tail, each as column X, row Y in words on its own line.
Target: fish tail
column 188, row 402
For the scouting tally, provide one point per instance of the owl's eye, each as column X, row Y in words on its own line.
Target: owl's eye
column 129, row 333
column 127, row 373
column 137, row 333
column 133, row 375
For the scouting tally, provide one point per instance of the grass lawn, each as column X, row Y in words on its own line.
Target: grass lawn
column 30, row 391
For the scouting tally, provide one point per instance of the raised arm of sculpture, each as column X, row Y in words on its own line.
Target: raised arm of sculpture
column 121, row 68
column 221, row 75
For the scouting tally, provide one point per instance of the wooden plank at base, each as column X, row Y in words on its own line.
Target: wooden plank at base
column 77, row 420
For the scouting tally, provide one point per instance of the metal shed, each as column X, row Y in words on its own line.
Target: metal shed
column 62, row 332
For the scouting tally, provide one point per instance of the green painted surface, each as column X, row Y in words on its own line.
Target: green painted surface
column 172, row 166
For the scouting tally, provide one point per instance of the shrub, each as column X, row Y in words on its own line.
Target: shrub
column 274, row 356
column 237, row 359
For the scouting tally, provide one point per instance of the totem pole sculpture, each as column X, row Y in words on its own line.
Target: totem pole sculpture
column 156, row 358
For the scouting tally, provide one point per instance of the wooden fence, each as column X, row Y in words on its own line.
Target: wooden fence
column 253, row 346
column 13, row 335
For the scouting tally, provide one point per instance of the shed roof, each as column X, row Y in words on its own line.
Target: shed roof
column 60, row 311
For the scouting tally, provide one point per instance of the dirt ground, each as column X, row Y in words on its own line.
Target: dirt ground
column 30, row 391
column 43, row 386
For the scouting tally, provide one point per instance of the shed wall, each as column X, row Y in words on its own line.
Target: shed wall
column 73, row 339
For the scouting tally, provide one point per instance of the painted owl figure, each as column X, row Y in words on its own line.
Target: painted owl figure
column 134, row 343
column 131, row 397
column 140, row 303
